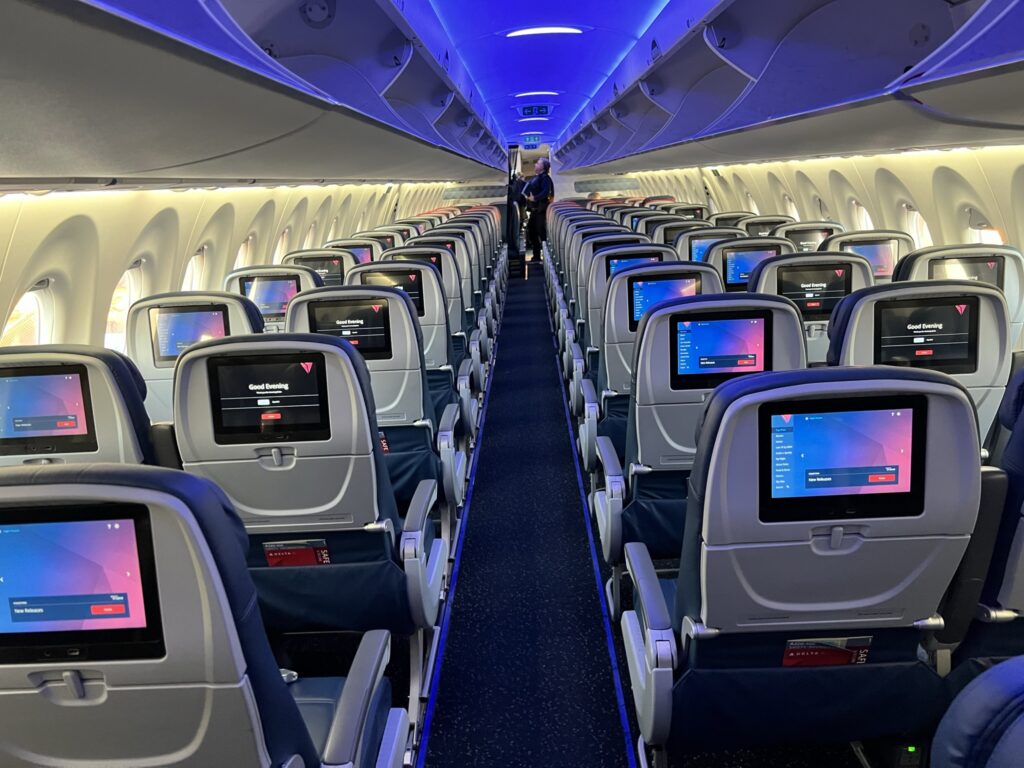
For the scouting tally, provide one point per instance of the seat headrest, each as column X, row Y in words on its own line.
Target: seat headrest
column 126, row 376
column 339, row 291
column 839, row 323
column 731, row 391
column 252, row 312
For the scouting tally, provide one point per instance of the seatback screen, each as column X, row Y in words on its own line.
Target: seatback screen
column 269, row 398
column 410, row 282
column 699, row 246
column 694, row 212
column 271, row 293
column 647, row 290
column 363, row 323
column 809, row 239
column 881, row 253
column 823, row 459
column 78, row 583
column 46, row 409
column 174, row 329
column 613, row 264
column 330, row 268
column 940, row 334
column 730, row 221
column 387, row 240
column 815, row 289
column 433, row 258
column 738, row 263
column 711, row 347
column 983, row 269
column 760, row 229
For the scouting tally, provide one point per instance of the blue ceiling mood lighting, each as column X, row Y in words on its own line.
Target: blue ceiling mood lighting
column 509, row 66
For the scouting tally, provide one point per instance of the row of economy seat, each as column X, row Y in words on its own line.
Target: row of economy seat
column 228, row 529
column 804, row 462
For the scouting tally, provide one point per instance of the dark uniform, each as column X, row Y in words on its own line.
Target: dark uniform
column 542, row 188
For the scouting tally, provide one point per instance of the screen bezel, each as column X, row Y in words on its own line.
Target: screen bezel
column 87, row 443
column 851, row 247
column 382, row 354
column 422, row 258
column 829, row 232
column 420, row 306
column 970, row 366
column 304, row 261
column 820, row 314
column 828, row 508
column 659, row 258
column 657, row 277
column 223, row 435
column 727, row 253
column 248, row 280
column 996, row 257
column 181, row 309
column 688, row 381
column 92, row 644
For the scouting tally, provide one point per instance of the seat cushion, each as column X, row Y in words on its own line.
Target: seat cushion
column 318, row 699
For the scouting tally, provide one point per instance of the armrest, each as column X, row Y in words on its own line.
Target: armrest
column 648, row 591
column 588, row 424
column 418, row 514
column 476, row 353
column 365, row 674
column 651, row 652
column 608, row 501
column 393, row 743
column 577, row 369
column 960, row 605
column 467, row 400
column 423, row 574
column 453, row 460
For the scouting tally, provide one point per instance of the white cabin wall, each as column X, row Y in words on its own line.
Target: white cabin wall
column 941, row 184
column 82, row 242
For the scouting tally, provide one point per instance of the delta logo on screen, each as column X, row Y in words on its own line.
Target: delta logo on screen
column 961, row 308
column 840, row 272
column 307, row 367
column 376, row 307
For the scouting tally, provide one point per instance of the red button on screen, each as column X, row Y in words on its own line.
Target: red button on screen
column 270, row 416
column 882, row 478
column 106, row 610
column 813, row 304
column 924, row 352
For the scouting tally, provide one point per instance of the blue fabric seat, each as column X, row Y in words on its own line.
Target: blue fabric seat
column 984, row 727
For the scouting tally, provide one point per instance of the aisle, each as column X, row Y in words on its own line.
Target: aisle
column 526, row 678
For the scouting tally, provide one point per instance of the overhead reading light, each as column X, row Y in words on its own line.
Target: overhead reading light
column 535, row 93
column 531, row 133
column 525, row 31
column 534, row 120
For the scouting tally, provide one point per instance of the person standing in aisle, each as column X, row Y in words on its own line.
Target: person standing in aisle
column 539, row 193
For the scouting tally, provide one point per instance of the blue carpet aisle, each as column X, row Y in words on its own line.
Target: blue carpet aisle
column 526, row 677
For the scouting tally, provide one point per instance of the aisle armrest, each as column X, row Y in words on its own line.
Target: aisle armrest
column 577, row 372
column 609, row 494
column 423, row 573
column 589, row 417
column 467, row 397
column 353, row 710
column 651, row 648
column 453, row 460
